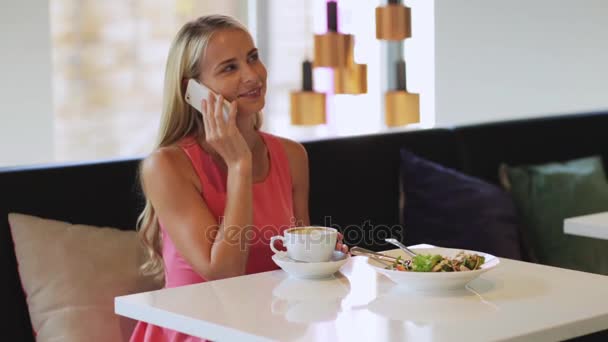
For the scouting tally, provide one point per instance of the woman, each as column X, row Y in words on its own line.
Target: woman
column 216, row 191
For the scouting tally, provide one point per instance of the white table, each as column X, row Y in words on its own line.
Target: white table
column 516, row 301
column 594, row 225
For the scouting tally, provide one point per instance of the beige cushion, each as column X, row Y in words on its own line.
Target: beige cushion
column 71, row 274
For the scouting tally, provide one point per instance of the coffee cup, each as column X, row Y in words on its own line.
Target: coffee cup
column 308, row 244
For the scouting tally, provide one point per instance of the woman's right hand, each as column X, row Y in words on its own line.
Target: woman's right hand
column 225, row 137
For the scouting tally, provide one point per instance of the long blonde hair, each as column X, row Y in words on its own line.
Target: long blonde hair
column 178, row 119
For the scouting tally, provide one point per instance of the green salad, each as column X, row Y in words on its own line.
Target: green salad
column 437, row 263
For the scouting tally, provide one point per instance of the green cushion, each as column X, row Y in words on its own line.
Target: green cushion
column 547, row 194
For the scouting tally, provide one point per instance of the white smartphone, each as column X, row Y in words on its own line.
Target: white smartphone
column 196, row 92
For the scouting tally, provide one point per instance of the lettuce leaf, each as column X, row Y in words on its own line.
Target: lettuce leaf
column 425, row 263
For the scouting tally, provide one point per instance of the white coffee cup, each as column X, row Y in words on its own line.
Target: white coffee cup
column 309, row 244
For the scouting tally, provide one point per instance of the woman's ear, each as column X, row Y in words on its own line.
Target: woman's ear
column 184, row 84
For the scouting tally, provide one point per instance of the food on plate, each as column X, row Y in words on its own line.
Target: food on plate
column 437, row 263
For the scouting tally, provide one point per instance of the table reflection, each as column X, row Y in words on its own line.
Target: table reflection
column 306, row 300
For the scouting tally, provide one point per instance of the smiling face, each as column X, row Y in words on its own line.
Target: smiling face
column 231, row 67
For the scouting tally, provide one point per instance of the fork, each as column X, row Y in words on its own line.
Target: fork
column 402, row 246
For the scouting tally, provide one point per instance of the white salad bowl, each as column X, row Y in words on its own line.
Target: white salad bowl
column 433, row 281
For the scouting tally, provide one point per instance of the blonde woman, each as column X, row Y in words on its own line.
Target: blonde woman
column 216, row 191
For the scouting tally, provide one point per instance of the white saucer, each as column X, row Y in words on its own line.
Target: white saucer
column 311, row 270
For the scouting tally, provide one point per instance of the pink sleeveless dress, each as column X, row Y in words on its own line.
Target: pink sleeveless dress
column 272, row 214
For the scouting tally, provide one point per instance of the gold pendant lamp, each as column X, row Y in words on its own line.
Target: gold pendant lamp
column 336, row 50
column 307, row 106
column 393, row 23
column 401, row 107
column 332, row 48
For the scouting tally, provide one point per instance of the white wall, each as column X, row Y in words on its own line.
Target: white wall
column 498, row 60
column 419, row 54
column 26, row 113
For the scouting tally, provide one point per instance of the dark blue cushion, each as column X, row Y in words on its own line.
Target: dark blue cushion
column 446, row 208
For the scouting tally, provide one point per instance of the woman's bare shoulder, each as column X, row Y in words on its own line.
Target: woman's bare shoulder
column 296, row 152
column 168, row 163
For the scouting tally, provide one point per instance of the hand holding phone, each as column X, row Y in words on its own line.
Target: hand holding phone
column 196, row 93
column 231, row 147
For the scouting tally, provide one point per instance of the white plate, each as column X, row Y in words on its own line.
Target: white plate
column 310, row 270
column 433, row 281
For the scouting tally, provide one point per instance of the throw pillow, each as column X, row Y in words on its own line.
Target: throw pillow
column 71, row 274
column 444, row 207
column 549, row 193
